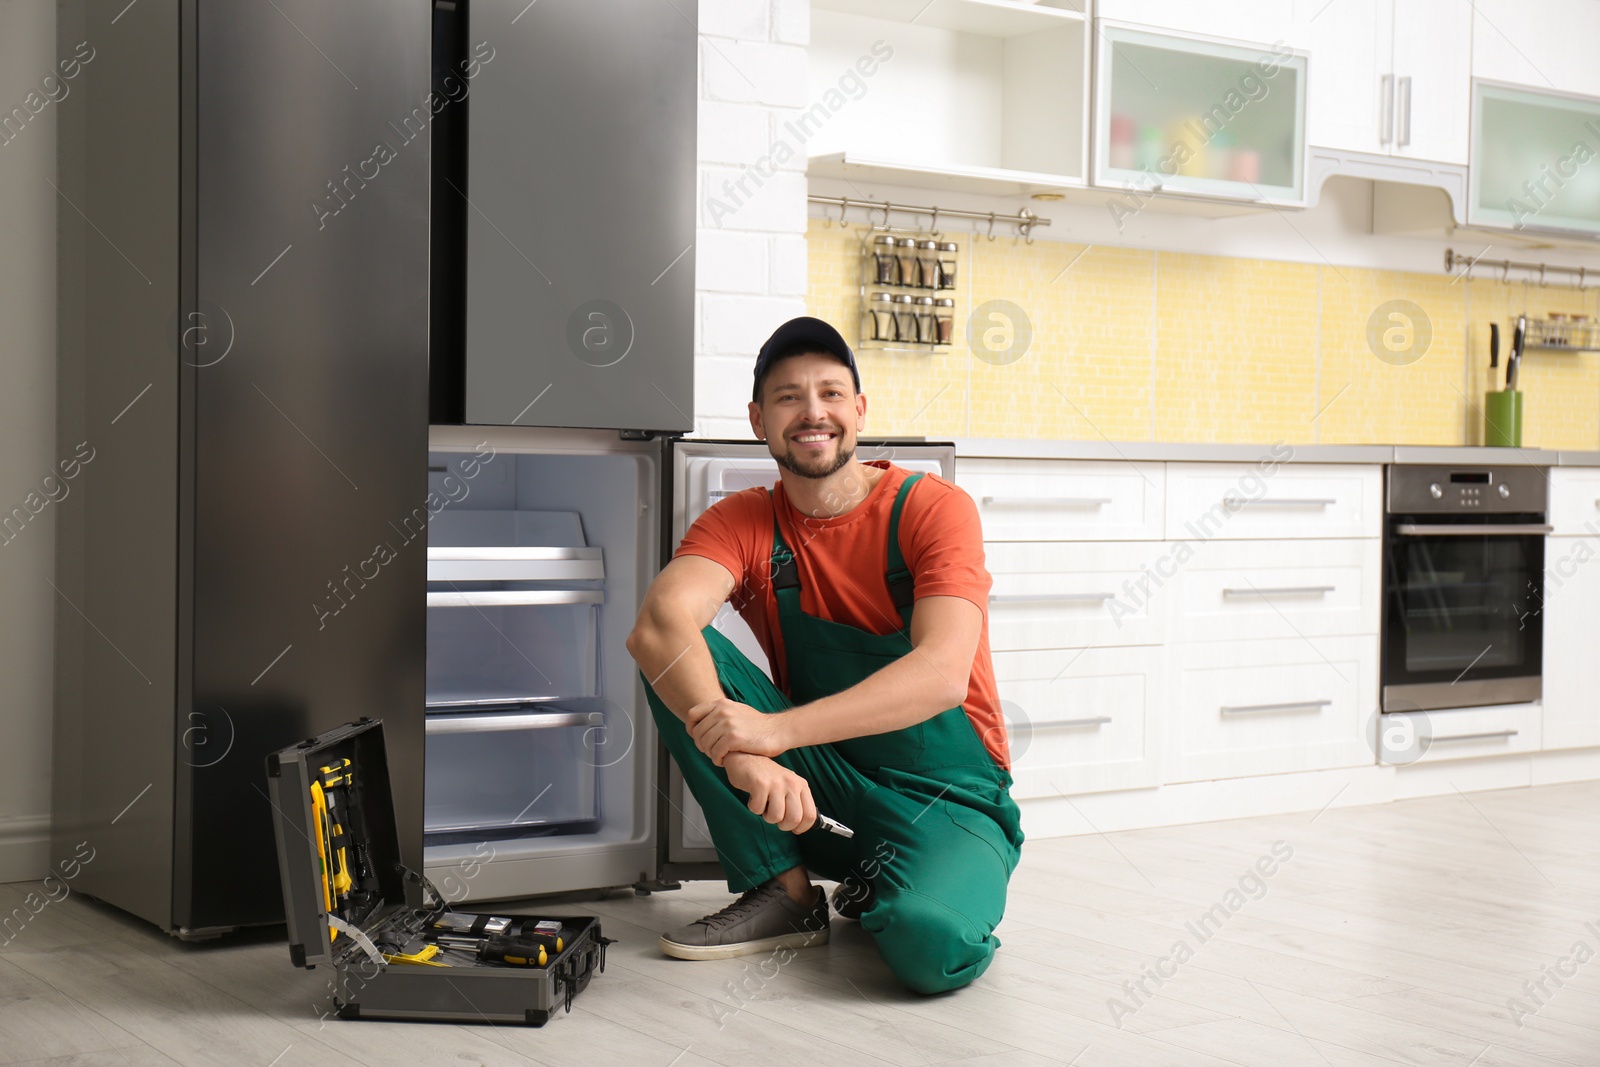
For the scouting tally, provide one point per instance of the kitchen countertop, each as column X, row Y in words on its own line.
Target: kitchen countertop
column 1200, row 452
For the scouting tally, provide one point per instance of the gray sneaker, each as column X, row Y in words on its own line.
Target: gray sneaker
column 762, row 919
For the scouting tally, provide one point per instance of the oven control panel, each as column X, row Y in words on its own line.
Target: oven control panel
column 1414, row 488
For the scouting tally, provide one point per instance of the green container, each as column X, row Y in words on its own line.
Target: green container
column 1502, row 418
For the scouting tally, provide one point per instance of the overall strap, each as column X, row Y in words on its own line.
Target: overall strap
column 897, row 574
column 786, row 573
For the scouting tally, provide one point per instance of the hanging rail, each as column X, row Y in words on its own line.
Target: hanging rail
column 1024, row 220
column 1506, row 266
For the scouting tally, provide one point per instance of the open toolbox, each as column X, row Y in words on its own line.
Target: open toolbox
column 397, row 949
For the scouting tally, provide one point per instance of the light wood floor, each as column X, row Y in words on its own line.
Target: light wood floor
column 1394, row 934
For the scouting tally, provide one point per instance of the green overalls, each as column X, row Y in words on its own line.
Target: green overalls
column 936, row 831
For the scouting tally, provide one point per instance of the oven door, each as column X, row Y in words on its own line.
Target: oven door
column 1461, row 620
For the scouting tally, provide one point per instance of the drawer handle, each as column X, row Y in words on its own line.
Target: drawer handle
column 1319, row 590
column 1476, row 737
column 1008, row 598
column 1283, row 501
column 1242, row 709
column 1095, row 720
column 1053, row 501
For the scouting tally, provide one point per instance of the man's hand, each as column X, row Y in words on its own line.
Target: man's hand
column 723, row 726
column 777, row 794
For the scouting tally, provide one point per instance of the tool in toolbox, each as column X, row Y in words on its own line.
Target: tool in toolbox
column 396, row 948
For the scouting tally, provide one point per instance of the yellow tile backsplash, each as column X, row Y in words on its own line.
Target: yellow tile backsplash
column 1132, row 345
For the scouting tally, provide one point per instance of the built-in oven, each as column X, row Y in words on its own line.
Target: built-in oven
column 1463, row 569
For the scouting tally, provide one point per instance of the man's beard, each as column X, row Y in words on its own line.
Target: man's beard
column 788, row 462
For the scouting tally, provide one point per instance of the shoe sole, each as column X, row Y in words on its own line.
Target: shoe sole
column 744, row 948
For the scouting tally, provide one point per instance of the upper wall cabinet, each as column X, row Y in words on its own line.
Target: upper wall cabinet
column 1281, row 21
column 1547, row 44
column 1392, row 77
column 976, row 95
column 1199, row 116
column 1534, row 164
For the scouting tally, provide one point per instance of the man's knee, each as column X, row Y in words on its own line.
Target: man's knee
column 930, row 946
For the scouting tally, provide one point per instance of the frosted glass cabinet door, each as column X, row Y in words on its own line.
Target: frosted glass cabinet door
column 1534, row 160
column 1199, row 117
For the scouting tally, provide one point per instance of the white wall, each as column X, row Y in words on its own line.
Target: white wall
column 27, row 435
column 750, row 266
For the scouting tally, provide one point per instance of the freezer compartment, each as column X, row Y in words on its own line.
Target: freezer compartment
column 488, row 644
column 540, row 545
column 512, row 772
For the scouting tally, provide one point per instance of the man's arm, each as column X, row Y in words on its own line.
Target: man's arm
column 667, row 645
column 666, row 641
column 930, row 678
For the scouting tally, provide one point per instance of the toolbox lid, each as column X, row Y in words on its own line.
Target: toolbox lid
column 344, row 826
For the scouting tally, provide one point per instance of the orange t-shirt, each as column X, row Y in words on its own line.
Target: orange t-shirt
column 842, row 561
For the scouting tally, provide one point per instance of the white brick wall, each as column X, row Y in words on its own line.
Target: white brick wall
column 750, row 253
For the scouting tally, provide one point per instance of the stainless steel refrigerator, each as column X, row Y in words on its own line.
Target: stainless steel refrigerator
column 379, row 319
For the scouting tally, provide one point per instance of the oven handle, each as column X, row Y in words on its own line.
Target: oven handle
column 1468, row 530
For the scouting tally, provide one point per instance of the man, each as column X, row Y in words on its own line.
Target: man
column 884, row 718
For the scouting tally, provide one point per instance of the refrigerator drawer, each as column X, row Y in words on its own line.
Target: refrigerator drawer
column 501, row 646
column 510, row 770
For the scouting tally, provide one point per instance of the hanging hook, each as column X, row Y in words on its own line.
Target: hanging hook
column 1541, row 275
column 933, row 227
column 844, row 208
column 991, row 225
column 1026, row 225
column 886, row 213
column 1505, row 272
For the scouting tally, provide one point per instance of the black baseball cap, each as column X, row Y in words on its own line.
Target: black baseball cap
column 801, row 335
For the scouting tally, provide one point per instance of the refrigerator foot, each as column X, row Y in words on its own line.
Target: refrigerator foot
column 644, row 889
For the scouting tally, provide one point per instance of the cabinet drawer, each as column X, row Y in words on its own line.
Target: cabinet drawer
column 1255, row 589
column 1270, row 707
column 1053, row 594
column 1575, row 500
column 1082, row 720
column 1062, row 500
column 1426, row 737
column 1247, row 500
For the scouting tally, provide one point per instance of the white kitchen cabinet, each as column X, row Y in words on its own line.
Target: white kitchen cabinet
column 1249, row 590
column 1082, row 720
column 1533, row 160
column 1061, row 594
column 1247, row 20
column 971, row 95
column 1571, row 611
column 1199, row 116
column 1273, row 499
column 1548, row 44
column 1051, row 500
column 1271, row 706
column 1575, row 501
column 1461, row 733
column 1392, row 77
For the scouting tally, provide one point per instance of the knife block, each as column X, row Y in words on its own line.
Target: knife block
column 1502, row 418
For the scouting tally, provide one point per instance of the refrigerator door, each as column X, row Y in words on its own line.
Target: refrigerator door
column 579, row 181
column 540, row 750
column 703, row 472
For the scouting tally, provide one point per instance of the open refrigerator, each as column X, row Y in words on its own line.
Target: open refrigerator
column 544, row 773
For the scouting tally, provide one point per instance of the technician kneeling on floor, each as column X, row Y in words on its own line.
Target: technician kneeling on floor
column 885, row 719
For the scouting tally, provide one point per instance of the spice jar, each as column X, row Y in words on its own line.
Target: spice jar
column 910, row 271
column 947, row 265
column 880, row 317
column 928, row 264
column 905, row 318
column 885, row 263
column 944, row 316
column 927, row 329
